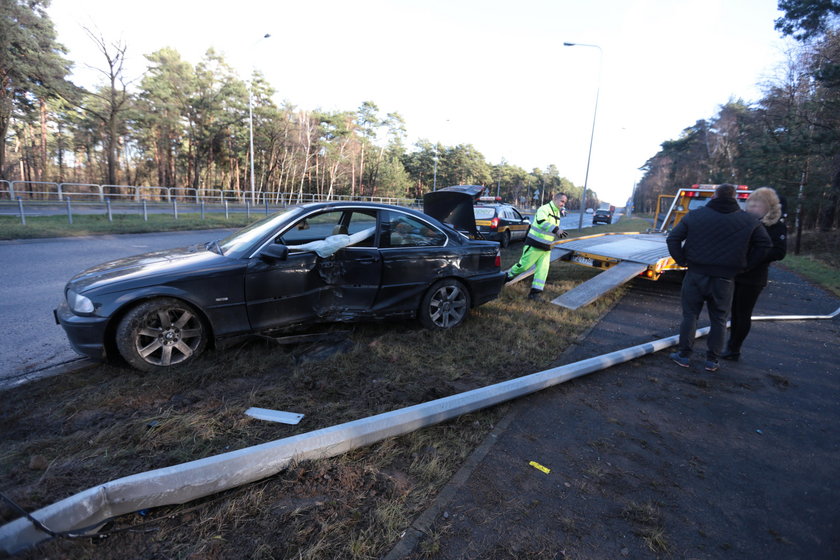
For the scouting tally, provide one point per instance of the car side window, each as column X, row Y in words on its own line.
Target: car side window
column 406, row 231
column 363, row 221
column 516, row 214
column 313, row 228
column 335, row 222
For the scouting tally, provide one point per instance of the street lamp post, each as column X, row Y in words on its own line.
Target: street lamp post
column 251, row 118
column 434, row 183
column 592, row 135
column 499, row 183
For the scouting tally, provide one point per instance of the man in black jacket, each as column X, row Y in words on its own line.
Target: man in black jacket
column 715, row 242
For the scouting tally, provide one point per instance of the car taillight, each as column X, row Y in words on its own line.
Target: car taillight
column 498, row 260
column 494, row 223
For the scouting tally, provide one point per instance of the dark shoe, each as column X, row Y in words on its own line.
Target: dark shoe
column 731, row 355
column 679, row 359
column 508, row 277
column 535, row 295
column 712, row 365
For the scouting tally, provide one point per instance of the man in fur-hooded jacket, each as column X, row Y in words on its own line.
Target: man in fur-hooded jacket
column 767, row 206
column 716, row 242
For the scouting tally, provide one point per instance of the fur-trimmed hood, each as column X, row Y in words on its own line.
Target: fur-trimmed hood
column 771, row 199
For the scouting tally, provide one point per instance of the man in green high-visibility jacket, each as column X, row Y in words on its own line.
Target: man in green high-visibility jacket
column 544, row 229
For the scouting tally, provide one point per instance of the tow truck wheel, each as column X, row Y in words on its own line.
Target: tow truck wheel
column 445, row 305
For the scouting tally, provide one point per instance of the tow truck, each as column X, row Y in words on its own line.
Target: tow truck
column 623, row 256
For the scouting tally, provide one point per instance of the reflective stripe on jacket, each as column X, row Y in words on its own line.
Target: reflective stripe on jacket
column 546, row 221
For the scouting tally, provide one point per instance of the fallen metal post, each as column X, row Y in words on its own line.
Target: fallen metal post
column 796, row 317
column 189, row 481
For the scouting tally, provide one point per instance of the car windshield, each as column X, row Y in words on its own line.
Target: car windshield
column 240, row 241
column 484, row 213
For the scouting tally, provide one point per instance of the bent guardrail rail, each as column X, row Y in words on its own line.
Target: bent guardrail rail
column 189, row 481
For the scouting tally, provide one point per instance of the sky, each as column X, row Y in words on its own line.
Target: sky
column 494, row 74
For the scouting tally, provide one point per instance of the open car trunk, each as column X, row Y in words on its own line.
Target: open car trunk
column 454, row 206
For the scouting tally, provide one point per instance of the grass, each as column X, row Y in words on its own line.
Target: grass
column 817, row 271
column 39, row 227
column 648, row 519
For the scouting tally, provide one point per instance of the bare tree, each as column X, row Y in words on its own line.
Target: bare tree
column 113, row 98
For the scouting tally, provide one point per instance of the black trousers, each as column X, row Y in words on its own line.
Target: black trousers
column 716, row 294
column 743, row 303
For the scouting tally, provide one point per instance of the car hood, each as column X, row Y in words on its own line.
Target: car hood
column 148, row 267
column 454, row 206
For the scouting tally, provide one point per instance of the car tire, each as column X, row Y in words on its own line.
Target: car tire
column 161, row 333
column 445, row 305
column 505, row 241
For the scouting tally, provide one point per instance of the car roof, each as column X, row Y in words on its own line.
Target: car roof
column 493, row 205
column 338, row 205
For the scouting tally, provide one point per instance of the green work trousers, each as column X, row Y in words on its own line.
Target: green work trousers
column 532, row 256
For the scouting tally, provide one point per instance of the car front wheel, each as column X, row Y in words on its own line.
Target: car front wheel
column 445, row 305
column 161, row 333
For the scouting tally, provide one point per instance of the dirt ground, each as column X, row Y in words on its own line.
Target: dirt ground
column 650, row 460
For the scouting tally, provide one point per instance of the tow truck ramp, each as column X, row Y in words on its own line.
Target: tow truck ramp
column 621, row 256
column 592, row 289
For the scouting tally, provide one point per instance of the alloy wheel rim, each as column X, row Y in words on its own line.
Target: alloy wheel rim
column 448, row 306
column 168, row 336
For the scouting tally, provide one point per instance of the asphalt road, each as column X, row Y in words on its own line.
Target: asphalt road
column 33, row 276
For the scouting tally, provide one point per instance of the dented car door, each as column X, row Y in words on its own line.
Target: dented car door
column 285, row 292
column 352, row 277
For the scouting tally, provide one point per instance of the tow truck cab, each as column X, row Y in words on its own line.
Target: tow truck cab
column 670, row 208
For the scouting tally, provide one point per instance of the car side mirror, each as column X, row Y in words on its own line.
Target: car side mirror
column 275, row 252
column 526, row 221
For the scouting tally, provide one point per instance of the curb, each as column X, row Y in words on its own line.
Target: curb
column 70, row 366
column 422, row 525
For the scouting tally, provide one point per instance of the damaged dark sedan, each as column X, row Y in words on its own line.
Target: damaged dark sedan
column 320, row 262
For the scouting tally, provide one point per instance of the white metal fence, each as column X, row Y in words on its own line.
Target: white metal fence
column 43, row 190
column 24, row 198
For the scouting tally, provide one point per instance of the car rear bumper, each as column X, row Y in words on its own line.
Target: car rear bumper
column 86, row 334
column 486, row 287
column 490, row 235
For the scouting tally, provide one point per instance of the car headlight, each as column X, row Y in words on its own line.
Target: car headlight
column 79, row 303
